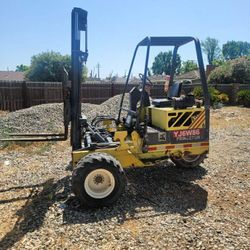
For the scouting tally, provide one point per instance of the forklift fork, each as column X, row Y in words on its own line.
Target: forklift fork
column 25, row 137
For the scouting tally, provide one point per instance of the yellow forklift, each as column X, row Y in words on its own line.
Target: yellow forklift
column 176, row 127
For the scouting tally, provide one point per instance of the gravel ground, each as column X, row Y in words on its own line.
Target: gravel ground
column 162, row 208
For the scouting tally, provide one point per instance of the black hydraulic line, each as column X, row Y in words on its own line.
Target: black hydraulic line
column 100, row 145
column 92, row 130
column 88, row 139
column 98, row 119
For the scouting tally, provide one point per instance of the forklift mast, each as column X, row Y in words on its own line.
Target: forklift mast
column 78, row 57
column 71, row 92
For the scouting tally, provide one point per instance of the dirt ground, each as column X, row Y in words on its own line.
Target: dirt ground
column 162, row 208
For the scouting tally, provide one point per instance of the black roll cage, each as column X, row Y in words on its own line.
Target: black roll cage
column 176, row 42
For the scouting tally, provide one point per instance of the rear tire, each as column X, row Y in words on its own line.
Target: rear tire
column 98, row 180
column 188, row 161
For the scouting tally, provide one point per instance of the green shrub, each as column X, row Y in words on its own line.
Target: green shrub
column 221, row 74
column 233, row 71
column 215, row 95
column 223, row 98
column 198, row 92
column 241, row 70
column 243, row 97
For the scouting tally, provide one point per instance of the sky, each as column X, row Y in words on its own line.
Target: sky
column 115, row 27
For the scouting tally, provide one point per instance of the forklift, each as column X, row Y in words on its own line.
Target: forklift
column 175, row 127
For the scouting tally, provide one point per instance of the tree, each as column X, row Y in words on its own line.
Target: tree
column 149, row 72
column 188, row 66
column 233, row 49
column 211, row 48
column 219, row 61
column 48, row 66
column 21, row 68
column 162, row 63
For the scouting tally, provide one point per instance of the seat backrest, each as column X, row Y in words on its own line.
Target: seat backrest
column 134, row 97
column 174, row 90
column 133, row 112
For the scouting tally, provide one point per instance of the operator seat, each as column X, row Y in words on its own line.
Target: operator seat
column 132, row 115
column 134, row 98
column 174, row 91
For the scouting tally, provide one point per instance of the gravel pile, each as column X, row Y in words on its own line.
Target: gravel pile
column 162, row 208
column 45, row 117
column 109, row 107
column 49, row 117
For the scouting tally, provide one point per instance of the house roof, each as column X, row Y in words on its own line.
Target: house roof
column 11, row 76
column 193, row 75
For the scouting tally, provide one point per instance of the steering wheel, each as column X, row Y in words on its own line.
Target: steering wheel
column 142, row 78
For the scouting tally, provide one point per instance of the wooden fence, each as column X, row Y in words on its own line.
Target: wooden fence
column 18, row 95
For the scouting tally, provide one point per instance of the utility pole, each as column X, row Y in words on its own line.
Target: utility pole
column 98, row 69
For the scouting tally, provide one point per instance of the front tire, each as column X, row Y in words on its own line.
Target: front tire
column 98, row 180
column 188, row 161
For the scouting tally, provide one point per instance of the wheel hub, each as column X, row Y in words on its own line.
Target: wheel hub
column 98, row 179
column 99, row 183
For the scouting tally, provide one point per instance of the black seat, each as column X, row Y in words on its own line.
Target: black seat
column 134, row 98
column 174, row 91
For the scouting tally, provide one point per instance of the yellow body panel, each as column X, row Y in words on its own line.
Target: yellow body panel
column 128, row 159
column 125, row 157
column 161, row 116
column 131, row 150
column 124, row 153
column 162, row 150
column 130, row 156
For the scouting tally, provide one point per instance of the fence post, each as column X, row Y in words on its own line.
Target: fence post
column 235, row 90
column 24, row 95
column 112, row 89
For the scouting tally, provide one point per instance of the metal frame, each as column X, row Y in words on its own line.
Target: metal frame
column 176, row 42
column 78, row 24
